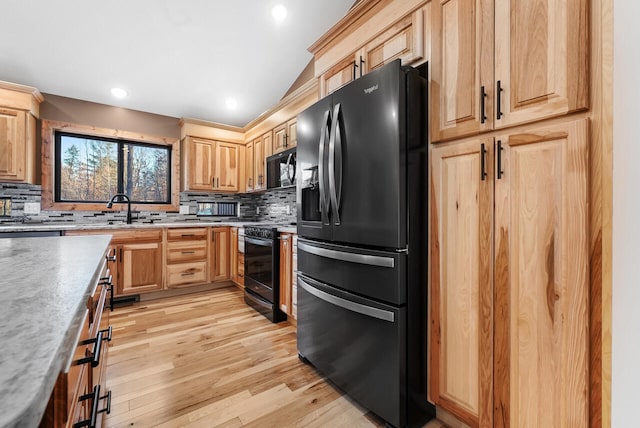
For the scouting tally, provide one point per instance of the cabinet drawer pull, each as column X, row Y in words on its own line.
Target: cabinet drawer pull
column 107, row 280
column 500, row 171
column 499, row 100
column 483, row 97
column 188, row 252
column 483, row 160
column 111, row 258
column 94, row 359
column 186, row 235
column 95, row 396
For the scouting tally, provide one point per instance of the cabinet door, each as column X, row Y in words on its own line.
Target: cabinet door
column 258, row 164
column 249, row 168
column 292, row 134
column 404, row 40
column 200, row 163
column 461, row 280
column 541, row 59
column 337, row 76
column 12, row 144
column 285, row 273
column 267, row 141
column 140, row 269
column 279, row 138
column 462, row 68
column 233, row 254
column 542, row 278
column 220, row 254
column 226, row 167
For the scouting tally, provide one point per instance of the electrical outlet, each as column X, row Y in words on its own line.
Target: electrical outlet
column 32, row 208
column 184, row 209
column 288, row 209
column 258, row 210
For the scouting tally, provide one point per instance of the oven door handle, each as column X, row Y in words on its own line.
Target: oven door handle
column 258, row 242
column 347, row 304
column 365, row 259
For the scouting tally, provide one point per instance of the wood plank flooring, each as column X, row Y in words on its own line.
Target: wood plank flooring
column 208, row 360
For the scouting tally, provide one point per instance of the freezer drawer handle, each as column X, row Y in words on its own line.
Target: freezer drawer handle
column 347, row 304
column 364, row 259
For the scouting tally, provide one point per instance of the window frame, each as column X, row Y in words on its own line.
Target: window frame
column 49, row 168
column 121, row 143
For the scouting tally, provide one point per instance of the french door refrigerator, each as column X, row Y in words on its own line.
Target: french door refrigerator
column 362, row 213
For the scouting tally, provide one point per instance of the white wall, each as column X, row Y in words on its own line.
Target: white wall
column 625, row 383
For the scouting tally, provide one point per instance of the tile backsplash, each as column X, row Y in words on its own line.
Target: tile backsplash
column 278, row 206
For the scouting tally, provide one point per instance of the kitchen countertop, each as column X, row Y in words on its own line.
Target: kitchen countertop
column 105, row 226
column 44, row 284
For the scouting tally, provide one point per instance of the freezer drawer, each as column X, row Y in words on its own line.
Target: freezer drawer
column 380, row 275
column 357, row 343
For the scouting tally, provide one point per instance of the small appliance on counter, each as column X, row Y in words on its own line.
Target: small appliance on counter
column 261, row 271
column 281, row 169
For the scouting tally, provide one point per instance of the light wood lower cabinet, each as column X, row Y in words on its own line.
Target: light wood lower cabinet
column 220, row 269
column 139, row 259
column 237, row 260
column 186, row 260
column 288, row 272
column 509, row 278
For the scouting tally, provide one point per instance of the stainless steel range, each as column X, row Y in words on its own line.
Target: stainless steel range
column 261, row 271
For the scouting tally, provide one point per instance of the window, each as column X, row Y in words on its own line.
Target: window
column 92, row 169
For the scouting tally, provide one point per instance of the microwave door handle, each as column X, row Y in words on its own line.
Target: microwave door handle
column 287, row 166
column 335, row 131
column 324, row 202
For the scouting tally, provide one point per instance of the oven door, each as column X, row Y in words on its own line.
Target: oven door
column 258, row 267
column 358, row 343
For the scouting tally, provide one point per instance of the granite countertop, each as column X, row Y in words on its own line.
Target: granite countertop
column 45, row 283
column 287, row 228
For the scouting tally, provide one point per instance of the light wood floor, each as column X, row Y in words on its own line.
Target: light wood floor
column 208, row 360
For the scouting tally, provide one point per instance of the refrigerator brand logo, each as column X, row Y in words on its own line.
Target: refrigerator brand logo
column 371, row 89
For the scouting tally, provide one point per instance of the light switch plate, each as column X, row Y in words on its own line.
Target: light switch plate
column 184, row 209
column 32, row 208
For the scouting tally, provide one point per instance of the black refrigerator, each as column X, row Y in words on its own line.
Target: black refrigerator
column 362, row 228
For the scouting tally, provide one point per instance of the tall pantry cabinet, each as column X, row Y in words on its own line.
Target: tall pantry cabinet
column 510, row 277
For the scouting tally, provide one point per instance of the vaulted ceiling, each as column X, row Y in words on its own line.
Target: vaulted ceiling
column 180, row 58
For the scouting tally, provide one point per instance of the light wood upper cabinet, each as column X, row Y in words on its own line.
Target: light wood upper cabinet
column 249, row 167
column 19, row 107
column 509, row 278
column 226, row 167
column 498, row 64
column 285, row 136
column 404, row 39
column 210, row 165
column 200, row 163
column 259, row 175
column 462, row 68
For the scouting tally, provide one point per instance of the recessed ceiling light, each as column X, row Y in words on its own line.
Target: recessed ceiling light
column 118, row 92
column 279, row 12
column 231, row 104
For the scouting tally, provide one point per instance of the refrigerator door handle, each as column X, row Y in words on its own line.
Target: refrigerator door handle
column 347, row 304
column 324, row 198
column 364, row 259
column 335, row 134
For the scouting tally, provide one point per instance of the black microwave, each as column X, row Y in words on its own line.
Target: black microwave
column 281, row 169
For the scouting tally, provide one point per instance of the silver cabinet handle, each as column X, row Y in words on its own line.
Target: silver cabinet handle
column 364, row 259
column 347, row 304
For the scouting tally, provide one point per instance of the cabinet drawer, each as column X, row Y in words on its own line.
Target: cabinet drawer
column 188, row 234
column 180, row 251
column 186, row 273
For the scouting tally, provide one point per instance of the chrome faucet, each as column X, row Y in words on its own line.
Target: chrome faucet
column 118, row 197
